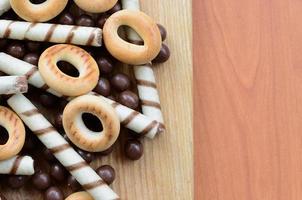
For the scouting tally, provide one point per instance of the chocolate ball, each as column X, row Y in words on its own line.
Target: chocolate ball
column 163, row 55
column 66, row 19
column 16, row 49
column 32, row 58
column 103, row 87
column 121, row 81
column 48, row 100
column 133, row 149
column 163, row 32
column 16, row 182
column 57, row 172
column 87, row 156
column 53, row 193
column 129, row 99
column 105, row 65
column 48, row 155
column 3, row 43
column 33, row 46
column 85, row 20
column 41, row 180
column 107, row 173
column 115, row 8
column 101, row 20
column 73, row 184
column 59, row 121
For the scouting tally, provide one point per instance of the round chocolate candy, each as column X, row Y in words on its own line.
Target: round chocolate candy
column 107, row 173
column 101, row 20
column 87, row 156
column 48, row 155
column 32, row 58
column 33, row 46
column 53, row 193
column 16, row 49
column 163, row 32
column 16, row 182
column 121, row 81
column 103, row 87
column 41, row 180
column 129, row 99
column 115, row 8
column 85, row 20
column 48, row 100
column 66, row 19
column 163, row 55
column 105, row 65
column 58, row 121
column 3, row 43
column 133, row 149
column 57, row 172
column 73, row 184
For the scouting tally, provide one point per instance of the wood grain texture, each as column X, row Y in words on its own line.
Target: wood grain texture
column 248, row 100
column 165, row 171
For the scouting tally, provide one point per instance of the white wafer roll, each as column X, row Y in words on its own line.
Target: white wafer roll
column 17, row 165
column 13, row 84
column 55, row 33
column 4, row 6
column 128, row 117
column 144, row 75
column 55, row 142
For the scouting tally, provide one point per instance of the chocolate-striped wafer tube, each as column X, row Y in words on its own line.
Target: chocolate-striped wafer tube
column 56, row 143
column 17, row 165
column 56, row 33
column 13, row 84
column 144, row 75
column 129, row 118
column 4, row 6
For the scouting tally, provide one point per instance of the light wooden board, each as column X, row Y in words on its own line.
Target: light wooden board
column 249, row 98
column 165, row 171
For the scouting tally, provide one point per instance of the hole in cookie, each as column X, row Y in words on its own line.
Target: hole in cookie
column 37, row 1
column 92, row 122
column 3, row 135
column 121, row 33
column 68, row 69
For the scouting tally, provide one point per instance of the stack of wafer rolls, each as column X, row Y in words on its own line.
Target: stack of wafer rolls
column 13, row 84
column 56, row 143
column 55, row 33
column 144, row 76
column 4, row 6
column 17, row 165
column 129, row 118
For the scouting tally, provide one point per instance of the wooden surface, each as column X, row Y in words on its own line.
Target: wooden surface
column 248, row 83
column 165, row 171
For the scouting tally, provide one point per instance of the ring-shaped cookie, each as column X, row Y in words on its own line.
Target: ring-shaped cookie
column 38, row 12
column 127, row 52
column 16, row 133
column 63, row 83
column 79, row 196
column 83, row 137
column 95, row 6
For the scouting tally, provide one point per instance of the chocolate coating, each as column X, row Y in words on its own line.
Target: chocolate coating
column 73, row 184
column 66, row 19
column 53, row 193
column 16, row 182
column 16, row 49
column 133, row 149
column 107, row 173
column 103, row 87
column 129, row 99
column 85, row 20
column 41, row 180
column 163, row 55
column 163, row 32
column 57, row 172
column 48, row 100
column 105, row 65
column 120, row 81
column 87, row 156
column 33, row 46
column 32, row 58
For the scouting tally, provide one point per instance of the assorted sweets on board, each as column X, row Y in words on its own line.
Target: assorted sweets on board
column 65, row 97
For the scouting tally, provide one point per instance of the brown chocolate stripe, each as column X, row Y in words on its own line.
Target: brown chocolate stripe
column 146, row 83
column 16, row 165
column 60, row 148
column 150, row 104
column 90, row 39
column 44, row 131
column 29, row 27
column 161, row 127
column 8, row 31
column 31, row 72
column 77, row 166
column 126, row 121
column 149, row 127
column 93, row 185
column 30, row 113
column 50, row 32
column 71, row 34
